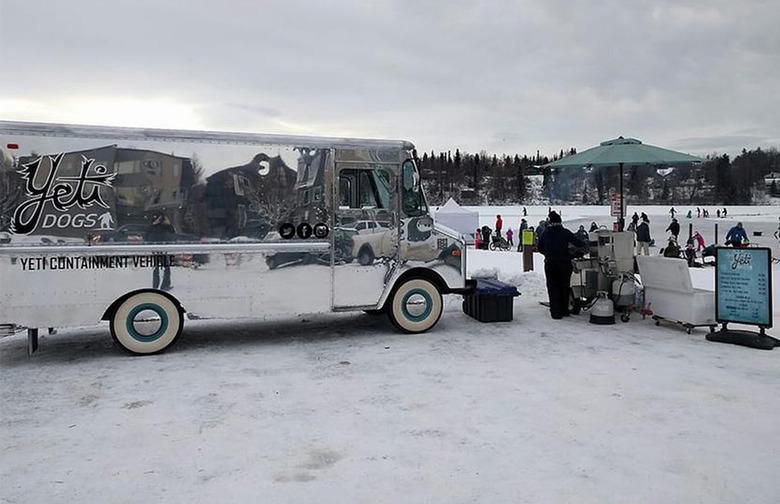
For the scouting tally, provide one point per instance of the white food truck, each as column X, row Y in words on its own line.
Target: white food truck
column 140, row 227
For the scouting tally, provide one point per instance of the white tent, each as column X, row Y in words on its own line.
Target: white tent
column 458, row 218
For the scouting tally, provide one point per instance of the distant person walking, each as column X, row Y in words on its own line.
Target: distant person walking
column 674, row 228
column 643, row 237
column 525, row 212
column 672, row 211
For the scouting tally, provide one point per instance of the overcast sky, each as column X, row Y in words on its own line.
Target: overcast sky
column 701, row 76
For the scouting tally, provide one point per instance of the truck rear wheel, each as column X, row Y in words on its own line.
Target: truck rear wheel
column 416, row 306
column 146, row 323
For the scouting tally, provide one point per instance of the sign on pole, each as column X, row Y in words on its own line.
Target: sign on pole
column 614, row 204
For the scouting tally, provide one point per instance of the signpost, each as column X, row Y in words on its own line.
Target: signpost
column 615, row 201
column 743, row 295
column 614, row 205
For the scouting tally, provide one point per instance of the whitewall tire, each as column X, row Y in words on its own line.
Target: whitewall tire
column 146, row 323
column 416, row 306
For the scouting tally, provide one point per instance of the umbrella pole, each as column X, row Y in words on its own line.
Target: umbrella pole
column 622, row 220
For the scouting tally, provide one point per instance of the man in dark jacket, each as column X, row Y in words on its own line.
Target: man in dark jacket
column 554, row 245
column 674, row 228
column 643, row 237
column 161, row 231
column 484, row 241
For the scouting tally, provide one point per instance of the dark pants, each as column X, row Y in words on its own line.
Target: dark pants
column 558, row 274
column 166, row 280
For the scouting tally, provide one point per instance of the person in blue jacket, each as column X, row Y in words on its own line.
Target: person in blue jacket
column 736, row 236
column 554, row 246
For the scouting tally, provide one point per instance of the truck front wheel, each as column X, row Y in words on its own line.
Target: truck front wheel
column 415, row 306
column 146, row 323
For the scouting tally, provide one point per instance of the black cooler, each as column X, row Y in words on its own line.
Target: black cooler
column 491, row 301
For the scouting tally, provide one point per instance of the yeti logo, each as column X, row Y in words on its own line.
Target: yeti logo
column 106, row 221
column 420, row 228
column 82, row 190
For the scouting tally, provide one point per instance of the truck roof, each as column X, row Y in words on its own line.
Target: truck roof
column 196, row 136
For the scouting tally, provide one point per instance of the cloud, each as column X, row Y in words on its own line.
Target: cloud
column 505, row 76
column 726, row 144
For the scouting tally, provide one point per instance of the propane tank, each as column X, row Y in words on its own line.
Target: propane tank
column 602, row 311
column 623, row 291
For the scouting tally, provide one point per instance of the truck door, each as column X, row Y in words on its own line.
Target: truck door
column 365, row 194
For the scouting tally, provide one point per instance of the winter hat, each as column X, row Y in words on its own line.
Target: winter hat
column 554, row 217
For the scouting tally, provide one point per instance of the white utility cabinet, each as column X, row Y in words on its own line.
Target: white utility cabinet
column 669, row 293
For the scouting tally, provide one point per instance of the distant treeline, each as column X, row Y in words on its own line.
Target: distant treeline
column 478, row 179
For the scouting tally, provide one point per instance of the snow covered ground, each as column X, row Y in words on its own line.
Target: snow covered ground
column 342, row 408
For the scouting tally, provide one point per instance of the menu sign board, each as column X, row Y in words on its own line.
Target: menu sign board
column 743, row 286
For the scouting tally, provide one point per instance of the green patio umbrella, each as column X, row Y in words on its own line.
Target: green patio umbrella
column 624, row 151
